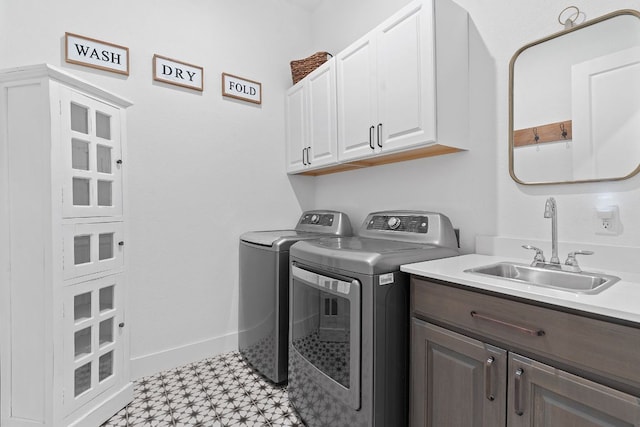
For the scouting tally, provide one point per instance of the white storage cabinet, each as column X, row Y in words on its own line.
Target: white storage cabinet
column 312, row 133
column 64, row 342
column 401, row 93
column 405, row 84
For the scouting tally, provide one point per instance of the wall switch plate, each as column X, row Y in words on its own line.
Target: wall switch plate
column 607, row 220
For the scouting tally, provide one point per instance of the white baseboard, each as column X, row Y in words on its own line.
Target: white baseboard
column 149, row 364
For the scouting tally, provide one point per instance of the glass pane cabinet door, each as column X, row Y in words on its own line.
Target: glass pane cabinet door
column 93, row 344
column 92, row 151
column 91, row 248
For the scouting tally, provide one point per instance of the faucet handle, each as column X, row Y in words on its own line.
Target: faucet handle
column 539, row 256
column 571, row 258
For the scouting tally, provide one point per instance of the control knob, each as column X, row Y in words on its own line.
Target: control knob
column 394, row 222
column 315, row 218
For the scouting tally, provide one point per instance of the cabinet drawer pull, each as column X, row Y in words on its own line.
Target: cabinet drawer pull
column 308, row 158
column 371, row 138
column 304, row 162
column 488, row 392
column 522, row 329
column 380, row 135
column 517, row 392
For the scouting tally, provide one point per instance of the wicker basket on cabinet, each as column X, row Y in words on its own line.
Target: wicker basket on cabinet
column 301, row 67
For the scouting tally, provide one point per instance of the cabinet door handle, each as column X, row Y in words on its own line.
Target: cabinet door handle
column 517, row 392
column 304, row 162
column 380, row 135
column 119, row 162
column 488, row 388
column 371, row 138
column 522, row 329
column 308, row 158
column 121, row 324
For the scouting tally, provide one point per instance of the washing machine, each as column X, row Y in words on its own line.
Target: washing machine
column 349, row 319
column 263, row 317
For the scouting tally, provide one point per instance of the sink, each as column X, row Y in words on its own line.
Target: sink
column 579, row 282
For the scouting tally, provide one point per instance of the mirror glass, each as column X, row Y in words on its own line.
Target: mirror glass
column 575, row 104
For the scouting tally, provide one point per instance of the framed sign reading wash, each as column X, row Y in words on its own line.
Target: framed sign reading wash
column 96, row 54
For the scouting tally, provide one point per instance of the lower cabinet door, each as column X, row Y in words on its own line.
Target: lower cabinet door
column 540, row 395
column 455, row 380
column 93, row 339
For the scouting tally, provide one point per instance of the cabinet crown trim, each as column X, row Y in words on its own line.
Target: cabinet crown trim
column 58, row 74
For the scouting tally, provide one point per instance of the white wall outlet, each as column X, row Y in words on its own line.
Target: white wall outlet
column 607, row 220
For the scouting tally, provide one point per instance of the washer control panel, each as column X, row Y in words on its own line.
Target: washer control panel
column 404, row 223
column 325, row 222
column 317, row 219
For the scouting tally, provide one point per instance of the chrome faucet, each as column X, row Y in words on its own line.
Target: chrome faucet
column 551, row 211
column 571, row 264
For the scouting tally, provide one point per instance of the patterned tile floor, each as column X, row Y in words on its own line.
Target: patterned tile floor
column 217, row 392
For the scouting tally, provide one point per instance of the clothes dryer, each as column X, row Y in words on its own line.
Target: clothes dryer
column 349, row 319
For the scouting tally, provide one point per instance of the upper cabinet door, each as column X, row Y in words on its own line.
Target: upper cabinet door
column 406, row 79
column 311, row 120
column 357, row 102
column 91, row 141
column 296, row 136
column 386, row 86
column 323, row 131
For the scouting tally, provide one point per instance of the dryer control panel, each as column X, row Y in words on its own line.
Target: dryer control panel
column 423, row 227
column 404, row 223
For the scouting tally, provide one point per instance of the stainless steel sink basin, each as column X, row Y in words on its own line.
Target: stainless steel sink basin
column 580, row 282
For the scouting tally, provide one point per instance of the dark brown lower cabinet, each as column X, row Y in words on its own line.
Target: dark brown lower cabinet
column 540, row 395
column 458, row 381
column 455, row 380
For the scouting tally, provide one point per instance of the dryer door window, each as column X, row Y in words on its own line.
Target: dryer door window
column 325, row 330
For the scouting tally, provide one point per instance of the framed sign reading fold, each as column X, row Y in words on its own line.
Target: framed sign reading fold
column 96, row 54
column 239, row 88
column 178, row 73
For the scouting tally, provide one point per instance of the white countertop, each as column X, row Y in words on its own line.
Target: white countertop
column 621, row 300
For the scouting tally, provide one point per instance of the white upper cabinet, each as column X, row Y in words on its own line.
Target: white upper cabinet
column 296, row 132
column 323, row 134
column 357, row 94
column 406, row 79
column 401, row 93
column 386, row 86
column 311, row 121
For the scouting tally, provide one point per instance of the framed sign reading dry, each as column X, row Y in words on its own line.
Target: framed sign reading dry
column 239, row 88
column 96, row 54
column 177, row 73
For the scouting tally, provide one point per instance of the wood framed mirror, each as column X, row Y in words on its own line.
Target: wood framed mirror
column 574, row 104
